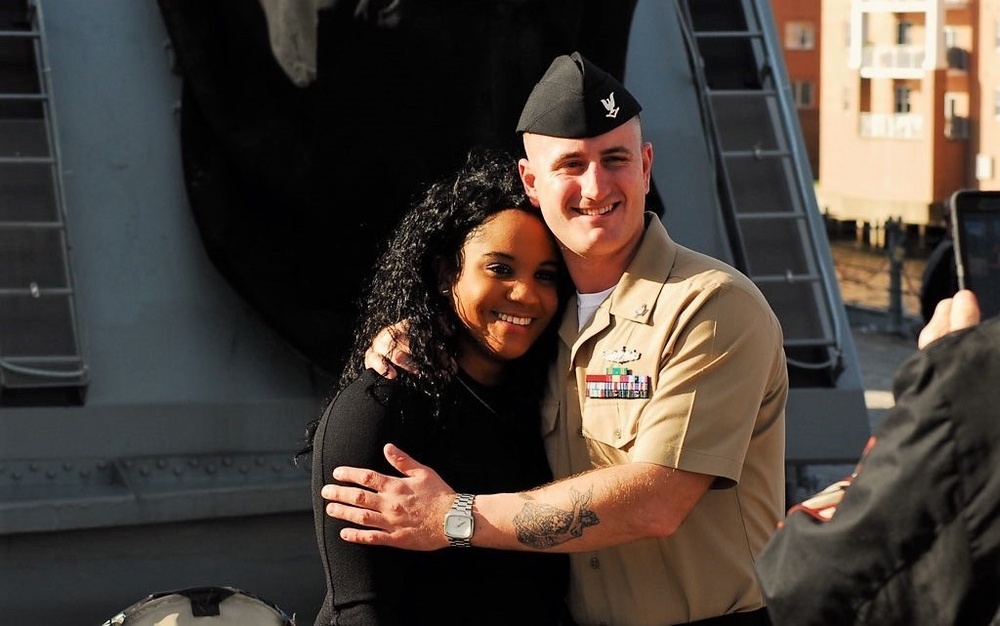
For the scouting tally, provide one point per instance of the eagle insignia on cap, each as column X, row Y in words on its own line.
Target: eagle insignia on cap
column 609, row 105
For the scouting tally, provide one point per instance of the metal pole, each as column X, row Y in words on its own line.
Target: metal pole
column 897, row 252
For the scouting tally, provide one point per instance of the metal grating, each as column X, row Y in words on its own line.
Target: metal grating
column 40, row 357
column 766, row 193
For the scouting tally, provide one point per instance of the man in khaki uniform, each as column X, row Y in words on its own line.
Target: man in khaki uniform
column 665, row 412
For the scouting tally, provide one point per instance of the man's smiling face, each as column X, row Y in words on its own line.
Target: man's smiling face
column 591, row 191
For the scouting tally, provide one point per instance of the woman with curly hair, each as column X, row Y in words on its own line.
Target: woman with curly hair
column 478, row 277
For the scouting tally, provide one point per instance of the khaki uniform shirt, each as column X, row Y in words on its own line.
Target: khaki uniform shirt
column 712, row 350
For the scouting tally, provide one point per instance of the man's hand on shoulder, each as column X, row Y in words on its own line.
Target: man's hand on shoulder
column 391, row 347
column 406, row 512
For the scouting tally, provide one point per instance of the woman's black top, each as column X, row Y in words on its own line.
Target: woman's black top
column 477, row 446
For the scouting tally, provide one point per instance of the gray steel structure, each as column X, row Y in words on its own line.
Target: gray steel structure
column 175, row 469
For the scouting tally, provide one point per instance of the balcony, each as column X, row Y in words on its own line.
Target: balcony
column 899, row 6
column 956, row 127
column 893, row 61
column 891, row 125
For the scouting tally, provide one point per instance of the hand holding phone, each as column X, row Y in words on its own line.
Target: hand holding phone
column 975, row 228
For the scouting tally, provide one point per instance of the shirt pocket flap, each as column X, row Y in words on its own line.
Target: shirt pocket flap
column 612, row 422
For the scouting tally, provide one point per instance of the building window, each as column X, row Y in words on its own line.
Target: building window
column 956, row 125
column 984, row 167
column 904, row 33
column 950, row 37
column 902, row 103
column 950, row 105
column 800, row 36
column 802, row 93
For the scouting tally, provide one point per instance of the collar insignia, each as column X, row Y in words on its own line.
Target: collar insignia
column 621, row 356
column 609, row 106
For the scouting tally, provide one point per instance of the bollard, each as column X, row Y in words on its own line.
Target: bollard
column 896, row 249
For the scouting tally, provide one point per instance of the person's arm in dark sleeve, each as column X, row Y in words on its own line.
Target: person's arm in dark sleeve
column 915, row 536
column 828, row 571
column 352, row 431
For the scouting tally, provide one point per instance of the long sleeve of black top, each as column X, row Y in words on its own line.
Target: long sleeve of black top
column 351, row 432
column 475, row 449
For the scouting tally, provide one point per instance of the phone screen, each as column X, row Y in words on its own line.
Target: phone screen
column 976, row 230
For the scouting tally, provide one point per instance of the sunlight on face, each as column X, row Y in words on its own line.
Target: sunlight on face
column 590, row 191
column 505, row 294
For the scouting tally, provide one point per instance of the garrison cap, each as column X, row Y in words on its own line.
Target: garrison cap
column 576, row 99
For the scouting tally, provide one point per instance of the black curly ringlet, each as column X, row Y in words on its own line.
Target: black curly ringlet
column 407, row 284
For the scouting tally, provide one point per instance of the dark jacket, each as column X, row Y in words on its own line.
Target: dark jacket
column 939, row 280
column 916, row 539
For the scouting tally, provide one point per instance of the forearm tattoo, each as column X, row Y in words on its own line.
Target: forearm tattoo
column 543, row 525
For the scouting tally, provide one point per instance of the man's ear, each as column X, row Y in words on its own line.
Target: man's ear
column 647, row 162
column 528, row 180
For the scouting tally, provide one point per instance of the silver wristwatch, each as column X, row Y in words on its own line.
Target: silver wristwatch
column 458, row 522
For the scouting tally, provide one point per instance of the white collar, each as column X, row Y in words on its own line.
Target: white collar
column 587, row 304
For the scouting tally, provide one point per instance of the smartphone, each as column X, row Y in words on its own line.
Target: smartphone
column 975, row 229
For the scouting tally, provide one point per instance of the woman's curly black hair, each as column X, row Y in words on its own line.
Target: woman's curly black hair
column 406, row 284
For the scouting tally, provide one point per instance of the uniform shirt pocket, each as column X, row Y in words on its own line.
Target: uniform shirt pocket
column 611, row 426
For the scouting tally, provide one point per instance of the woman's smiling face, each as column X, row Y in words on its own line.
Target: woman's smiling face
column 505, row 294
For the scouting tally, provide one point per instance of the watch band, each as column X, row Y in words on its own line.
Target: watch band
column 463, row 504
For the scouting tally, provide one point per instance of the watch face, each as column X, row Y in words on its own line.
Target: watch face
column 458, row 526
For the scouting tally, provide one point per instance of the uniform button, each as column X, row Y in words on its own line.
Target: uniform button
column 595, row 563
column 618, row 434
column 641, row 310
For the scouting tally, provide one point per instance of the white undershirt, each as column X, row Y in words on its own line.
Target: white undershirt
column 587, row 303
